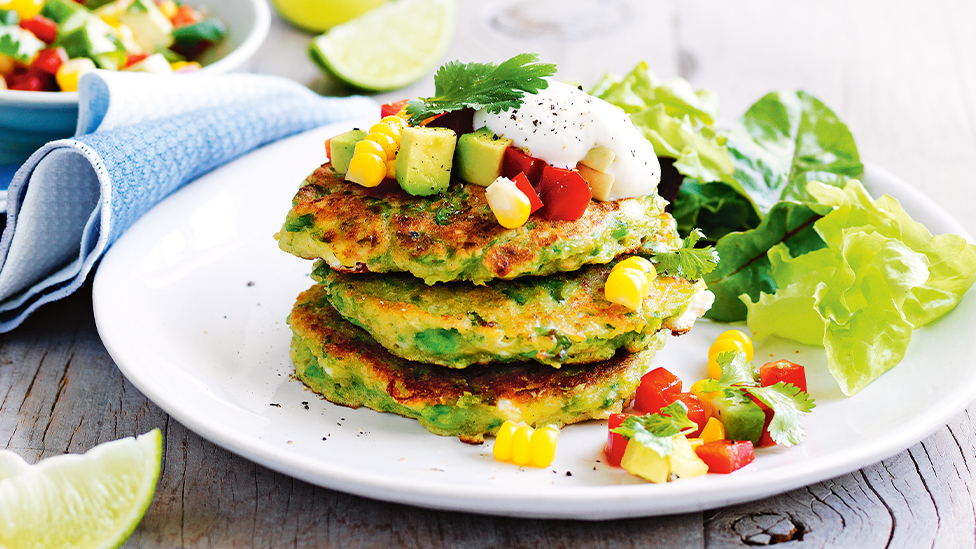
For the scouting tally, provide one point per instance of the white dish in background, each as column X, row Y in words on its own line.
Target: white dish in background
column 191, row 304
column 30, row 119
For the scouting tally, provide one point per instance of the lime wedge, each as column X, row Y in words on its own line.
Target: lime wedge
column 83, row 501
column 389, row 47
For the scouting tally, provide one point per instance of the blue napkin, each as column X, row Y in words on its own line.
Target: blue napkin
column 139, row 138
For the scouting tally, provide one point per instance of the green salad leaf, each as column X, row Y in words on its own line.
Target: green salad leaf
column 674, row 117
column 745, row 265
column 657, row 431
column 784, row 141
column 880, row 276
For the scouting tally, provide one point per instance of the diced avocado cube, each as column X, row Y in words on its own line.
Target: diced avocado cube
column 423, row 164
column 86, row 35
column 151, row 29
column 685, row 463
column 19, row 44
column 59, row 10
column 9, row 17
column 743, row 418
column 600, row 183
column 599, row 158
column 646, row 463
column 341, row 148
column 479, row 156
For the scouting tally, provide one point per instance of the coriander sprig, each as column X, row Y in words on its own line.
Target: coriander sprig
column 688, row 261
column 482, row 86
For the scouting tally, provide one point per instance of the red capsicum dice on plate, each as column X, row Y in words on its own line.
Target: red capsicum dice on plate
column 772, row 373
column 696, row 411
column 390, row 109
column 564, row 193
column 49, row 60
column 657, row 389
column 516, row 161
column 616, row 444
column 31, row 80
column 43, row 28
column 764, row 439
column 725, row 456
column 522, row 183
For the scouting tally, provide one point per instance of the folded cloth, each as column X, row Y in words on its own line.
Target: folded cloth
column 139, row 138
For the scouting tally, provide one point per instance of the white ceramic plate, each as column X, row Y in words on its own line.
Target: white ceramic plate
column 191, row 304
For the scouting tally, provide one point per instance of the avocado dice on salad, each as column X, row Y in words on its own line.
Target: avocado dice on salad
column 46, row 45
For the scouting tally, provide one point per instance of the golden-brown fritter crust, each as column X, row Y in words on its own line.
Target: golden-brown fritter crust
column 454, row 235
column 344, row 364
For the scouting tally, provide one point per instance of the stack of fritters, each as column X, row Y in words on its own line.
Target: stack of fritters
column 428, row 308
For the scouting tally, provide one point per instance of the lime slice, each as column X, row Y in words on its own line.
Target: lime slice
column 83, row 501
column 389, row 47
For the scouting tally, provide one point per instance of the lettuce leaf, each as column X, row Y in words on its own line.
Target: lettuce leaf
column 880, row 276
column 675, row 118
column 745, row 264
column 784, row 141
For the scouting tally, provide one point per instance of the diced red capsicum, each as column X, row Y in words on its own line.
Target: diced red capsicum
column 696, row 411
column 516, row 162
column 389, row 109
column 564, row 193
column 41, row 27
column 522, row 183
column 31, row 80
column 783, row 370
column 49, row 60
column 657, row 389
column 616, row 443
column 724, row 456
column 764, row 439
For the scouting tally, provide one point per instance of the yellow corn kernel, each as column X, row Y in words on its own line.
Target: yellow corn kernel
column 503, row 441
column 389, row 145
column 696, row 389
column 522, row 445
column 25, row 8
column 720, row 346
column 185, row 66
column 390, row 125
column 745, row 342
column 509, row 204
column 626, row 287
column 168, row 7
column 713, row 430
column 543, row 443
column 71, row 71
column 638, row 262
column 370, row 147
column 366, row 169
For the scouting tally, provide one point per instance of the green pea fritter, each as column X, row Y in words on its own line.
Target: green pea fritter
column 558, row 319
column 346, row 366
column 454, row 235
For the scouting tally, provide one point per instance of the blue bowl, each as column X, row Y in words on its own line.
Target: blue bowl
column 31, row 119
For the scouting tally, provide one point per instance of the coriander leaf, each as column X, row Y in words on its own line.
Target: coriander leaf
column 656, row 431
column 787, row 402
column 687, row 261
column 482, row 86
column 736, row 370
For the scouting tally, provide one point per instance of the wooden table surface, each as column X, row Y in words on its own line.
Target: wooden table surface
column 902, row 75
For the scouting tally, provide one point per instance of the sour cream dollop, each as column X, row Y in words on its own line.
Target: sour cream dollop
column 561, row 123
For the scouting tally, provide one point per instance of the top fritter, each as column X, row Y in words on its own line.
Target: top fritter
column 454, row 235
